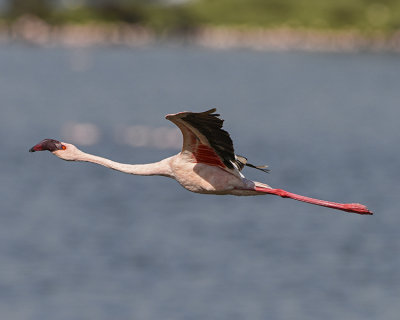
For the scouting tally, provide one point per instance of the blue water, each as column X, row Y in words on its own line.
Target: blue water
column 78, row 241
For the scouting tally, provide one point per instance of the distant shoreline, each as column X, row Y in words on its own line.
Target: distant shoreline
column 34, row 31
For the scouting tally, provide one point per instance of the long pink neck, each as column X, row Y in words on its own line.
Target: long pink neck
column 349, row 207
column 161, row 168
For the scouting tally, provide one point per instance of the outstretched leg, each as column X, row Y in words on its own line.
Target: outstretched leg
column 349, row 207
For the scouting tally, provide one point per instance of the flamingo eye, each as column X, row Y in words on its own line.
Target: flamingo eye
column 63, row 147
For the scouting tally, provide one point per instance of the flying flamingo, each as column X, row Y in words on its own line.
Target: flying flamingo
column 207, row 163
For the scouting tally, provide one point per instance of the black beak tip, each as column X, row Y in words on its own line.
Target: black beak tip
column 47, row 144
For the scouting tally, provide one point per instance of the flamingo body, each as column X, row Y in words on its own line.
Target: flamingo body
column 206, row 164
column 204, row 178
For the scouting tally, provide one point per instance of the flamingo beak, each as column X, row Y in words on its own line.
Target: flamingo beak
column 47, row 144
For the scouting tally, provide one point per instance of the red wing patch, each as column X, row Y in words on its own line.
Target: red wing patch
column 205, row 154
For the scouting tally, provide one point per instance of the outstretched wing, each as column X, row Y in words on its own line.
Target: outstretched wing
column 205, row 139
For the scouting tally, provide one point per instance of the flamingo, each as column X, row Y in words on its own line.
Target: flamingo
column 207, row 163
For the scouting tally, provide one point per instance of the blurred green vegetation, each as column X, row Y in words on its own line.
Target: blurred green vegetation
column 157, row 15
column 365, row 15
column 39, row 8
column 316, row 14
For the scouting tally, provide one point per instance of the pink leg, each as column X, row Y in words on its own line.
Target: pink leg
column 349, row 207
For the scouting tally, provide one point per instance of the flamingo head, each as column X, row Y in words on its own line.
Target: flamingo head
column 62, row 150
column 48, row 144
